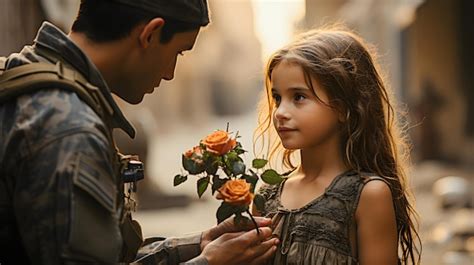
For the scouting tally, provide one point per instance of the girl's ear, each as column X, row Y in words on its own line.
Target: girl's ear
column 150, row 31
column 341, row 117
column 342, row 114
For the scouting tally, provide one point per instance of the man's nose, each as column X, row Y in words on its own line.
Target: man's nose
column 169, row 75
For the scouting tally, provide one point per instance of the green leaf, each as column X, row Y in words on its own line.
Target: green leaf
column 238, row 168
column 233, row 156
column 178, row 179
column 202, row 184
column 211, row 165
column 259, row 202
column 227, row 171
column 239, row 151
column 191, row 166
column 224, row 211
column 259, row 163
column 227, row 210
column 252, row 179
column 271, row 177
column 217, row 183
column 229, row 159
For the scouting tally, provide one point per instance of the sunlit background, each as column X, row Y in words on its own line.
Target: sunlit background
column 425, row 48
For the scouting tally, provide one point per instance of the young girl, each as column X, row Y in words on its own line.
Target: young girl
column 347, row 200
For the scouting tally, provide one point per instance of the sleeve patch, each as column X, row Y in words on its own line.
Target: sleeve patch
column 95, row 182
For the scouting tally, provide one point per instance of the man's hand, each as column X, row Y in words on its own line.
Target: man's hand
column 227, row 244
column 228, row 226
column 241, row 248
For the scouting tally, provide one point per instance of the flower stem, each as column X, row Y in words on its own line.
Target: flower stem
column 254, row 222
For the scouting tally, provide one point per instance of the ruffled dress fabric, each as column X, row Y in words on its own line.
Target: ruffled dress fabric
column 319, row 232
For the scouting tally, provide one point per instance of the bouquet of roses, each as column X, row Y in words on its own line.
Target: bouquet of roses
column 217, row 162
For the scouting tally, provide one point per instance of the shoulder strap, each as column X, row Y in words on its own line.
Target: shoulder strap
column 29, row 78
column 375, row 177
column 364, row 179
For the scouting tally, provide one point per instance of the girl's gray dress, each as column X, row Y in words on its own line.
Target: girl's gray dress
column 319, row 232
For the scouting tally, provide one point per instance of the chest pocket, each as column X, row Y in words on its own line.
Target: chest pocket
column 93, row 213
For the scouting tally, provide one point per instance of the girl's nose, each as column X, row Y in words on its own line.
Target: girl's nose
column 281, row 112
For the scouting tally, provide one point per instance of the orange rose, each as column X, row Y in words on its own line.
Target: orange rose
column 219, row 143
column 189, row 153
column 196, row 150
column 235, row 192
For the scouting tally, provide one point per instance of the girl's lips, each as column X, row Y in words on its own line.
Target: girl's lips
column 285, row 129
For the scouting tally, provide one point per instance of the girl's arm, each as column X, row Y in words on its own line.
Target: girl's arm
column 376, row 225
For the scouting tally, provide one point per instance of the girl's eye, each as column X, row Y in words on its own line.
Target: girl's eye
column 276, row 99
column 299, row 97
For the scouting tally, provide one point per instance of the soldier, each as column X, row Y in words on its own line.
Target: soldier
column 62, row 198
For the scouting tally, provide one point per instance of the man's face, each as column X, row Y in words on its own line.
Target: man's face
column 156, row 62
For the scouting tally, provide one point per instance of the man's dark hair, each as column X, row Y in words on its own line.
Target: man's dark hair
column 106, row 20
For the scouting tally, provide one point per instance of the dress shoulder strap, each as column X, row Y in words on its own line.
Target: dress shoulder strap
column 368, row 179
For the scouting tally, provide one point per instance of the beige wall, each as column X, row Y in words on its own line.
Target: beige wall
column 434, row 55
column 322, row 11
column 19, row 21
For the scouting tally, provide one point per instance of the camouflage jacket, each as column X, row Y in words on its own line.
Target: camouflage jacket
column 61, row 197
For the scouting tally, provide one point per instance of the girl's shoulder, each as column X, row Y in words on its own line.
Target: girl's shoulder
column 375, row 188
column 368, row 188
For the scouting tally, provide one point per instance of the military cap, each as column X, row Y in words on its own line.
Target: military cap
column 192, row 11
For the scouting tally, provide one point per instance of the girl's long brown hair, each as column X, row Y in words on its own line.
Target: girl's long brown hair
column 342, row 64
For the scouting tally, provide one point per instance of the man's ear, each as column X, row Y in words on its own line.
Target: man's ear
column 151, row 30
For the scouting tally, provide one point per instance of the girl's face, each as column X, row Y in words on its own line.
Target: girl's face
column 300, row 118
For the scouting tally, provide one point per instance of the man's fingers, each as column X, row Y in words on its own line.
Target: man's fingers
column 230, row 236
column 228, row 226
column 262, row 221
column 265, row 246
column 255, row 238
column 248, row 224
column 268, row 254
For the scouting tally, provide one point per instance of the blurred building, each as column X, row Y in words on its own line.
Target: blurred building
column 19, row 21
column 425, row 48
column 438, row 79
